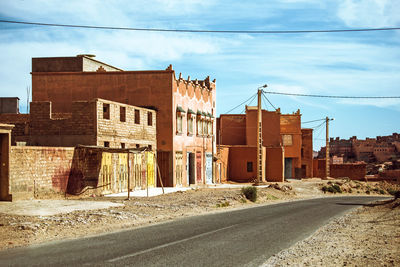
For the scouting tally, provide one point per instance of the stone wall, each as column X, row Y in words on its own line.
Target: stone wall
column 123, row 126
column 37, row 172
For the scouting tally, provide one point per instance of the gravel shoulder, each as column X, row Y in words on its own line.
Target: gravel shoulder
column 24, row 230
column 368, row 236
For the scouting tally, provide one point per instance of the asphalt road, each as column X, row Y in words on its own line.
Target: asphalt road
column 244, row 237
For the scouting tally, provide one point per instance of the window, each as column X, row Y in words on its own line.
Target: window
column 287, row 140
column 210, row 129
column 122, row 114
column 204, row 122
column 106, row 111
column 179, row 124
column 190, row 124
column 122, row 145
column 106, row 144
column 137, row 116
column 249, row 166
column 199, row 127
column 149, row 118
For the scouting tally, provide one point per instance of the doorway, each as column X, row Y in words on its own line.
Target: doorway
column 4, row 166
column 288, row 168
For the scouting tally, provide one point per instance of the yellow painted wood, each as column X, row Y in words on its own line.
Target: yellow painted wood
column 150, row 169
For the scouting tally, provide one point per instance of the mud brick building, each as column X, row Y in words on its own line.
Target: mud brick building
column 291, row 136
column 282, row 145
column 370, row 150
column 185, row 108
column 307, row 152
column 97, row 122
column 9, row 105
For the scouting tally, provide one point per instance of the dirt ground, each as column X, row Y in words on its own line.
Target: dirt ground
column 368, row 236
column 22, row 230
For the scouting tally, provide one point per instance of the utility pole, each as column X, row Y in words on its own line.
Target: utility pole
column 259, row 136
column 327, row 147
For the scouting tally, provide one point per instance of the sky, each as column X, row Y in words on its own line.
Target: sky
column 350, row 64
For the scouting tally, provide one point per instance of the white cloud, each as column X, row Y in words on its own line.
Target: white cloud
column 369, row 13
column 380, row 103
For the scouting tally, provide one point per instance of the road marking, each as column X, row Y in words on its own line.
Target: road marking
column 168, row 244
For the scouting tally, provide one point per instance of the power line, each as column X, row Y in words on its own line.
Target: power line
column 334, row 96
column 268, row 100
column 250, row 98
column 198, row 31
column 313, row 121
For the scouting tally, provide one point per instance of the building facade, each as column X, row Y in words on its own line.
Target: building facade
column 97, row 122
column 282, row 141
column 185, row 108
column 369, row 150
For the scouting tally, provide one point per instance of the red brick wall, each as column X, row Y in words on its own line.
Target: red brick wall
column 86, row 125
column 232, row 129
column 274, row 164
column 21, row 126
column 307, row 152
column 62, row 130
column 354, row 171
column 391, row 175
column 39, row 171
column 238, row 158
column 138, row 88
column 270, row 127
column 291, row 124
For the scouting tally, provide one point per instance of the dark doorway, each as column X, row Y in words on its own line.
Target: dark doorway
column 288, row 168
column 4, row 166
column 191, row 168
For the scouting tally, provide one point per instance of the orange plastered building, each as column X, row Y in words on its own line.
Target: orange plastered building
column 185, row 108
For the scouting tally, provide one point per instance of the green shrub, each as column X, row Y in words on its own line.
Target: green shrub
column 223, row 204
column 382, row 192
column 337, row 188
column 250, row 192
column 332, row 188
column 367, row 192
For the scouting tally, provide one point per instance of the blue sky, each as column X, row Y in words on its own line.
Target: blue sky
column 356, row 64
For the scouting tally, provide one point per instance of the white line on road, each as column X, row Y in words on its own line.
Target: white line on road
column 168, row 244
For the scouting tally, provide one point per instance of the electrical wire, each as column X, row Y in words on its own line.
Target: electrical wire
column 313, row 121
column 251, row 98
column 334, row 96
column 268, row 100
column 199, row 31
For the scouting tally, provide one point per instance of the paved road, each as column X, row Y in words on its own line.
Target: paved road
column 234, row 238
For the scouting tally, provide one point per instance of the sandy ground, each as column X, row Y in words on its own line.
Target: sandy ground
column 368, row 236
column 26, row 227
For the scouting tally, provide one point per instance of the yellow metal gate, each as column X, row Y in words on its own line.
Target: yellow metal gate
column 150, row 169
column 106, row 171
column 122, row 184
